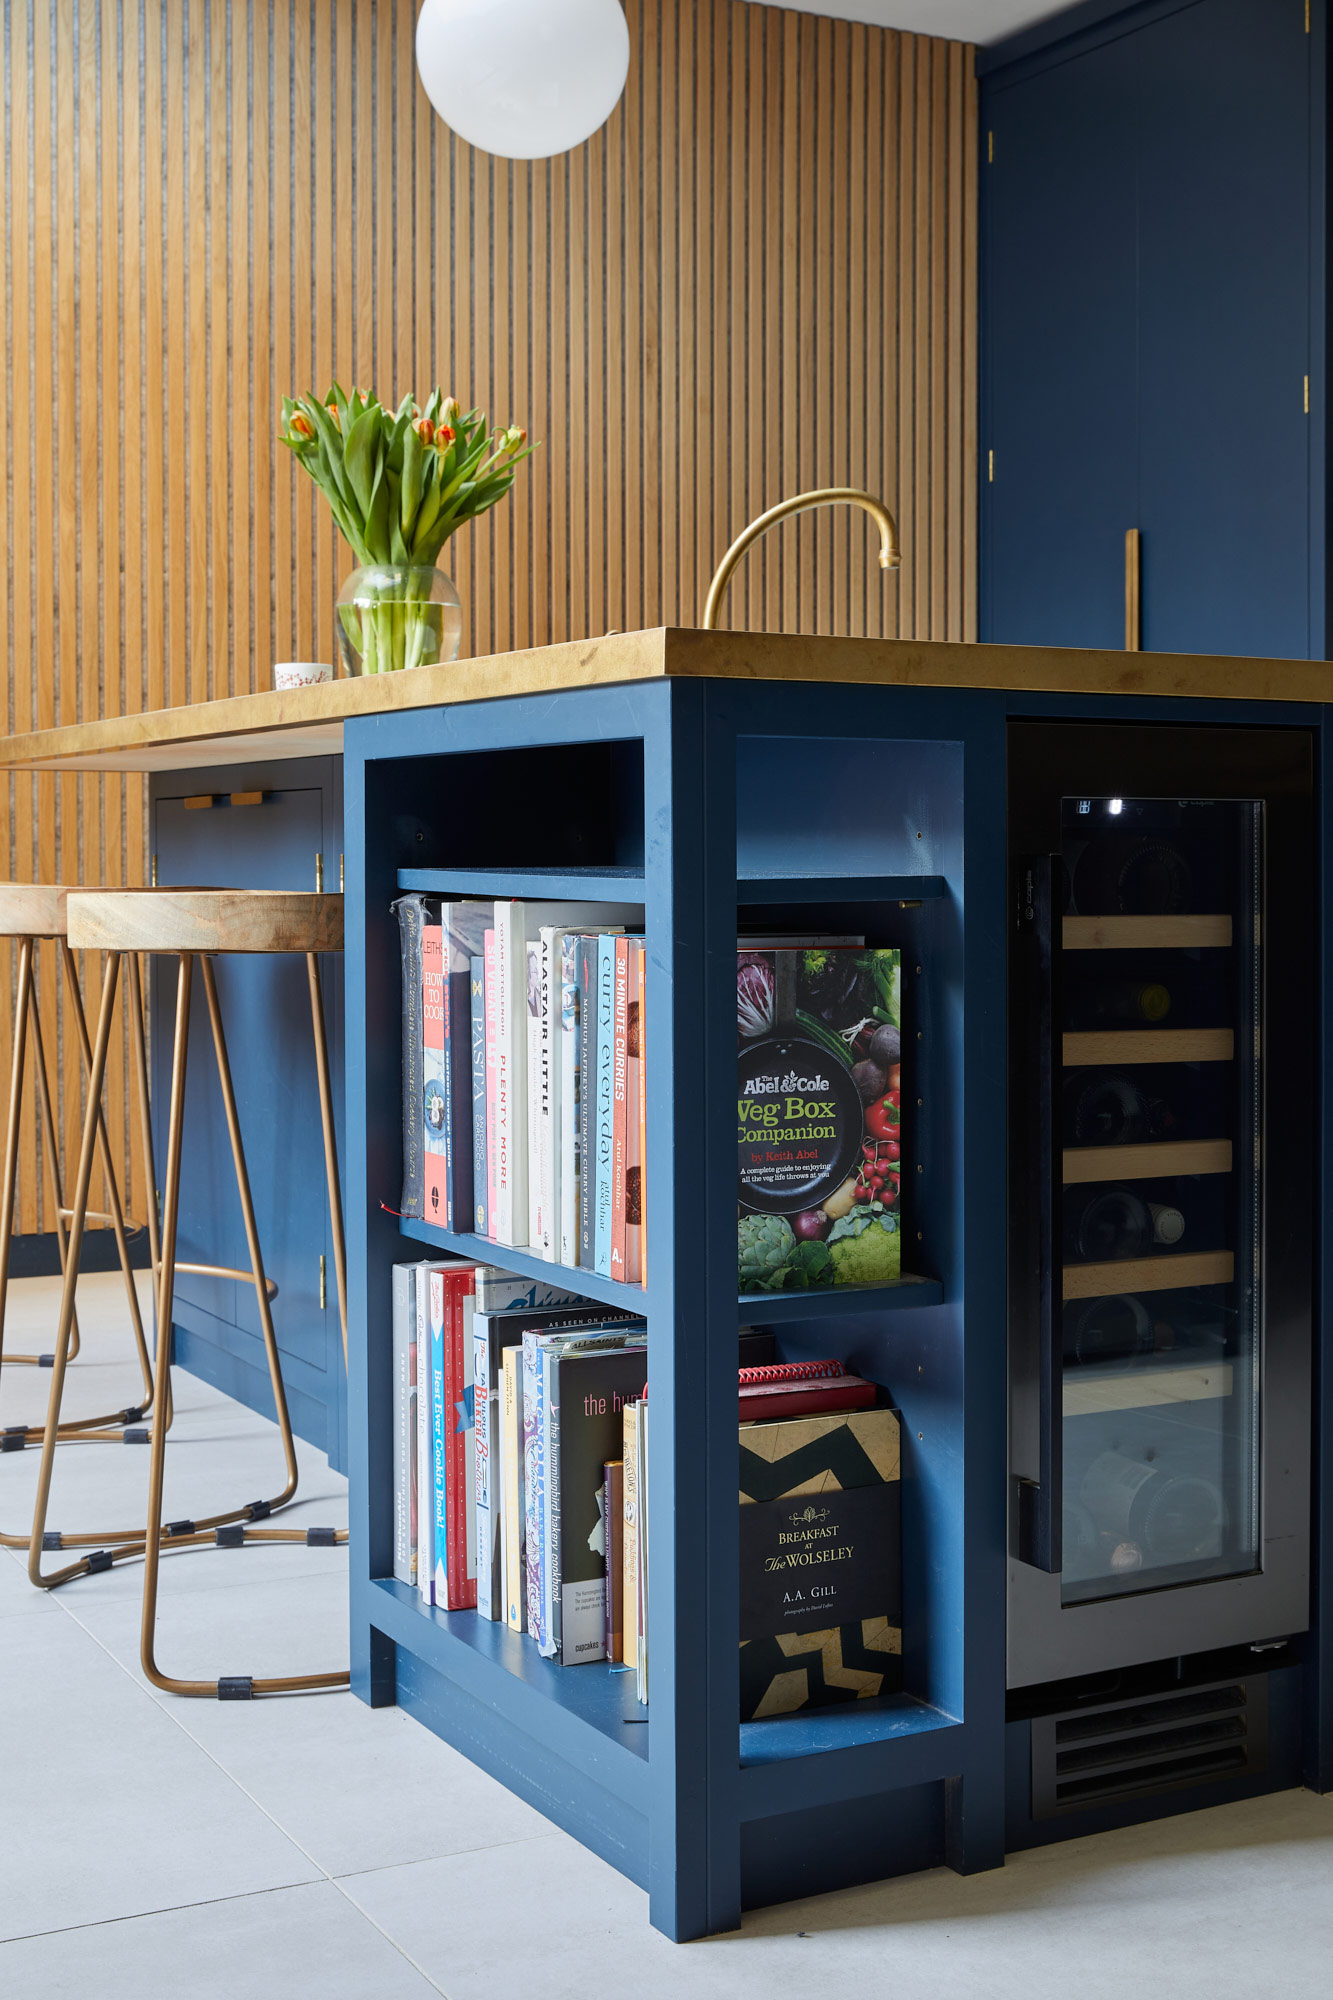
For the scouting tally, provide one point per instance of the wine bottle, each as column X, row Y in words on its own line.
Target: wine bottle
column 1115, row 1328
column 1172, row 1518
column 1116, row 1223
column 1132, row 875
column 1105, row 1108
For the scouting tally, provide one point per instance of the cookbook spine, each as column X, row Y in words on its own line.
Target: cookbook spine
column 435, row 1098
column 402, row 1415
column 460, row 1443
column 477, row 1023
column 513, row 1523
column 629, row 1554
column 605, row 1112
column 548, row 1089
column 425, row 1454
column 457, row 1081
column 633, row 1134
column 567, row 1175
column 532, row 1477
column 511, row 1066
column 643, row 1115
column 439, row 1291
column 492, row 964
column 585, row 979
column 619, row 1108
column 408, row 911
column 613, row 1510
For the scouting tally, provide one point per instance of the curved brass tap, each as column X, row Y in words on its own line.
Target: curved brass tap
column 800, row 503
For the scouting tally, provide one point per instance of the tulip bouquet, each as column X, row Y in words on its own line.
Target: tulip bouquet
column 399, row 483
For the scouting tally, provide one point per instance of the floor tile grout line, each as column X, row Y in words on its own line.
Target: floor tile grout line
column 179, row 1721
column 453, row 1854
column 163, row 1910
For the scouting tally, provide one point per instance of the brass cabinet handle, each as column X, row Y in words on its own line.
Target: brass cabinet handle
column 1133, row 595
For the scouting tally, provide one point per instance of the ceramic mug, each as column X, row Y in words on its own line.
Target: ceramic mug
column 300, row 673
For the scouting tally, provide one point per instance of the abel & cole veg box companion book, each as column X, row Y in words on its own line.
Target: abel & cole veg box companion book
column 819, row 1033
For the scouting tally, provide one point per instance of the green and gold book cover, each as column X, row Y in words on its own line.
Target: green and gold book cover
column 821, row 1561
column 819, row 1098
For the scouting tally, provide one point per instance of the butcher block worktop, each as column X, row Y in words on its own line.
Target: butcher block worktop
column 308, row 722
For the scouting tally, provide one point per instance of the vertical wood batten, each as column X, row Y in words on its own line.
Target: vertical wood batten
column 759, row 277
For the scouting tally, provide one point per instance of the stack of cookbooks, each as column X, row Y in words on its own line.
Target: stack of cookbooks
column 524, row 1083
column 521, row 1486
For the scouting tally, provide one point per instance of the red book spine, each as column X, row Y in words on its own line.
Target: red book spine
column 643, row 1116
column 619, row 1089
column 462, row 1589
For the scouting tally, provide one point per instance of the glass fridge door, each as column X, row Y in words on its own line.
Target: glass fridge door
column 1158, row 996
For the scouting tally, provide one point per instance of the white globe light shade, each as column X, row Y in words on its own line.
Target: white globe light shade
column 523, row 78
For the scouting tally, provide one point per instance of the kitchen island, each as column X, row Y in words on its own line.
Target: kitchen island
column 711, row 779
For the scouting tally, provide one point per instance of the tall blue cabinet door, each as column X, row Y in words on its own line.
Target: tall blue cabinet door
column 1224, row 259
column 1060, row 489
column 265, row 1003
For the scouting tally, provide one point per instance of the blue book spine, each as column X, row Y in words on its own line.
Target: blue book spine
column 585, row 981
column 604, row 1125
column 481, row 1221
column 438, row 1310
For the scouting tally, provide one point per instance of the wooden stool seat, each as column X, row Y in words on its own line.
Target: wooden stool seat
column 35, row 910
column 204, row 920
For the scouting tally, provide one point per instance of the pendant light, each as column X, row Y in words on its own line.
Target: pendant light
column 523, row 78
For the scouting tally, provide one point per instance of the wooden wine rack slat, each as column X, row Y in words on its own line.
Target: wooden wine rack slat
column 1148, row 1274
column 1145, row 933
column 1121, row 1047
column 1146, row 1162
column 1094, row 1392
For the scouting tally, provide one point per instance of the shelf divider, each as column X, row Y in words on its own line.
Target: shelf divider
column 564, row 885
column 506, row 1257
column 752, row 890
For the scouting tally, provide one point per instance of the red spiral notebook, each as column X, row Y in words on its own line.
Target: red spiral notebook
column 800, row 1389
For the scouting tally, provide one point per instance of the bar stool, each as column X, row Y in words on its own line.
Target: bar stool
column 195, row 924
column 28, row 914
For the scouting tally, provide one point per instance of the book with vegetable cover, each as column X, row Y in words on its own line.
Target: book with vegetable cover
column 819, row 1034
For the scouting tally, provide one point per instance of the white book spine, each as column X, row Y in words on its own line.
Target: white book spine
column 548, row 1101
column 568, row 1164
column 548, row 1363
column 425, row 1451
column 532, row 996
column 469, row 1440
column 511, row 1065
column 403, row 1414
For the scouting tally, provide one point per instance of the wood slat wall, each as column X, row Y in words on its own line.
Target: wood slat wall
column 758, row 278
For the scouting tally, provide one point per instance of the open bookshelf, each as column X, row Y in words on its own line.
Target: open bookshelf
column 650, row 800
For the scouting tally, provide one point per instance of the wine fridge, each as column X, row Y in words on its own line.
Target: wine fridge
column 1161, row 1052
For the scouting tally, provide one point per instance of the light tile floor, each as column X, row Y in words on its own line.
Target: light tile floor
column 315, row 1850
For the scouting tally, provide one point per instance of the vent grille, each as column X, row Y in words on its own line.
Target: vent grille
column 1158, row 1743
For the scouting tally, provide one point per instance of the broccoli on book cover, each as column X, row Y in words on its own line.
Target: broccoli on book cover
column 821, row 1561
column 819, row 1034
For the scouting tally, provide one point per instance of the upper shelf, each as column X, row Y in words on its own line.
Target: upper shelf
column 1145, row 933
column 564, row 885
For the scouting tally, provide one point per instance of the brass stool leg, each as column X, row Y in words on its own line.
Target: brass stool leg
column 109, row 1174
column 24, row 1010
column 330, row 1142
column 236, row 1686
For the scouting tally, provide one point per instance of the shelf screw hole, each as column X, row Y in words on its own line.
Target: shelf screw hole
column 921, row 1435
column 918, row 968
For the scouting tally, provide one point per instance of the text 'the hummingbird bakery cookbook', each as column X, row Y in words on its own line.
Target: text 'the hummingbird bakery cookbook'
column 819, row 1102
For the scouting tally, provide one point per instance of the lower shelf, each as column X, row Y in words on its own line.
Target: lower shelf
column 565, row 1707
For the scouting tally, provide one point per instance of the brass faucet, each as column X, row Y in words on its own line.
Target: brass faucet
column 800, row 503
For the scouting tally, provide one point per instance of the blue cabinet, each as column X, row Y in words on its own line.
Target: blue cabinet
column 278, row 841
column 1149, row 213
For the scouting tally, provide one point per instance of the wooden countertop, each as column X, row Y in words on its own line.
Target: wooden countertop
column 308, row 722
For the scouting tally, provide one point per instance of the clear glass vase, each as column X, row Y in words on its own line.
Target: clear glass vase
column 393, row 617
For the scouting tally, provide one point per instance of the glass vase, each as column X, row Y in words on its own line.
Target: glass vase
column 391, row 617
